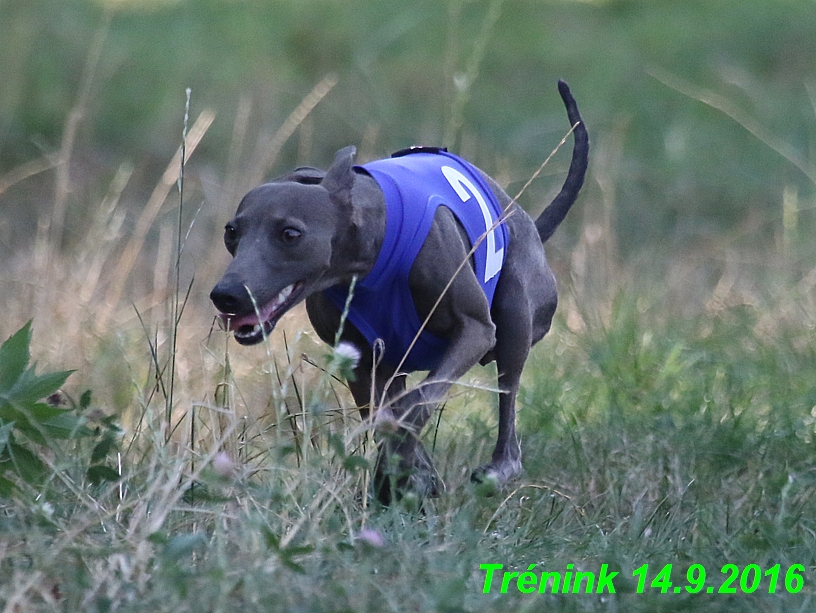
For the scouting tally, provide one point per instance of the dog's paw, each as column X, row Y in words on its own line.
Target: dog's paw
column 396, row 477
column 426, row 484
column 497, row 473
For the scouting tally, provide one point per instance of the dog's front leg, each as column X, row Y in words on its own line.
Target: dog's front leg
column 404, row 463
column 413, row 408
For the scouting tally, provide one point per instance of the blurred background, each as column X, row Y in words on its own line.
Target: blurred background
column 702, row 116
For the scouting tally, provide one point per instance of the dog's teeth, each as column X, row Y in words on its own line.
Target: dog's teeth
column 283, row 295
column 247, row 333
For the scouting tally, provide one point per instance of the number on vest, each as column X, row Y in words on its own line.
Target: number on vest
column 464, row 188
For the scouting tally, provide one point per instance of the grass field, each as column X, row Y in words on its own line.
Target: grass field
column 665, row 420
column 669, row 418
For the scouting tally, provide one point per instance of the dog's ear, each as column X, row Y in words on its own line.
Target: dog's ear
column 340, row 176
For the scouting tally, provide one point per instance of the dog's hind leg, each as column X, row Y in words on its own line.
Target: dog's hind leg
column 513, row 339
column 506, row 461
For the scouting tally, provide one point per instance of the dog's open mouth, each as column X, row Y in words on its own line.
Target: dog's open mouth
column 252, row 328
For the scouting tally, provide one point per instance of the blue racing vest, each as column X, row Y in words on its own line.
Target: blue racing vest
column 414, row 183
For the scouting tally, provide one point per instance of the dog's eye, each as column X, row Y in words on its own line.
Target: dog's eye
column 230, row 237
column 290, row 235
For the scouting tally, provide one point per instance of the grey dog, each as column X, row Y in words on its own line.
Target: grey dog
column 476, row 286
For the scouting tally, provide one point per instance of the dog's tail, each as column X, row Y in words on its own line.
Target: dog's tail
column 554, row 214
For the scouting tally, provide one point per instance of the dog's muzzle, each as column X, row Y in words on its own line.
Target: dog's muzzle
column 251, row 328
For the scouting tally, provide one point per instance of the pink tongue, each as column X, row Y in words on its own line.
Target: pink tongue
column 236, row 322
column 253, row 319
column 250, row 319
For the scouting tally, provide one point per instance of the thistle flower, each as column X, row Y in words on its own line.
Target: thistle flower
column 372, row 538
column 344, row 359
column 347, row 352
column 223, row 466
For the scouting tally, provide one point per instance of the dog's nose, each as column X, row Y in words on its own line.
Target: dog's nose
column 226, row 297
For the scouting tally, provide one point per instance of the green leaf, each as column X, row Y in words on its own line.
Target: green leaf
column 336, row 443
column 7, row 488
column 292, row 565
column 14, row 357
column 22, row 423
column 65, row 425
column 272, row 541
column 287, row 556
column 102, row 449
column 299, row 551
column 100, row 473
column 29, row 411
column 355, row 462
column 38, row 412
column 158, row 538
column 85, row 399
column 110, row 423
column 30, row 387
column 38, row 420
column 30, row 468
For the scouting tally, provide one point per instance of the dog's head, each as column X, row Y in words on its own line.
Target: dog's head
column 284, row 240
